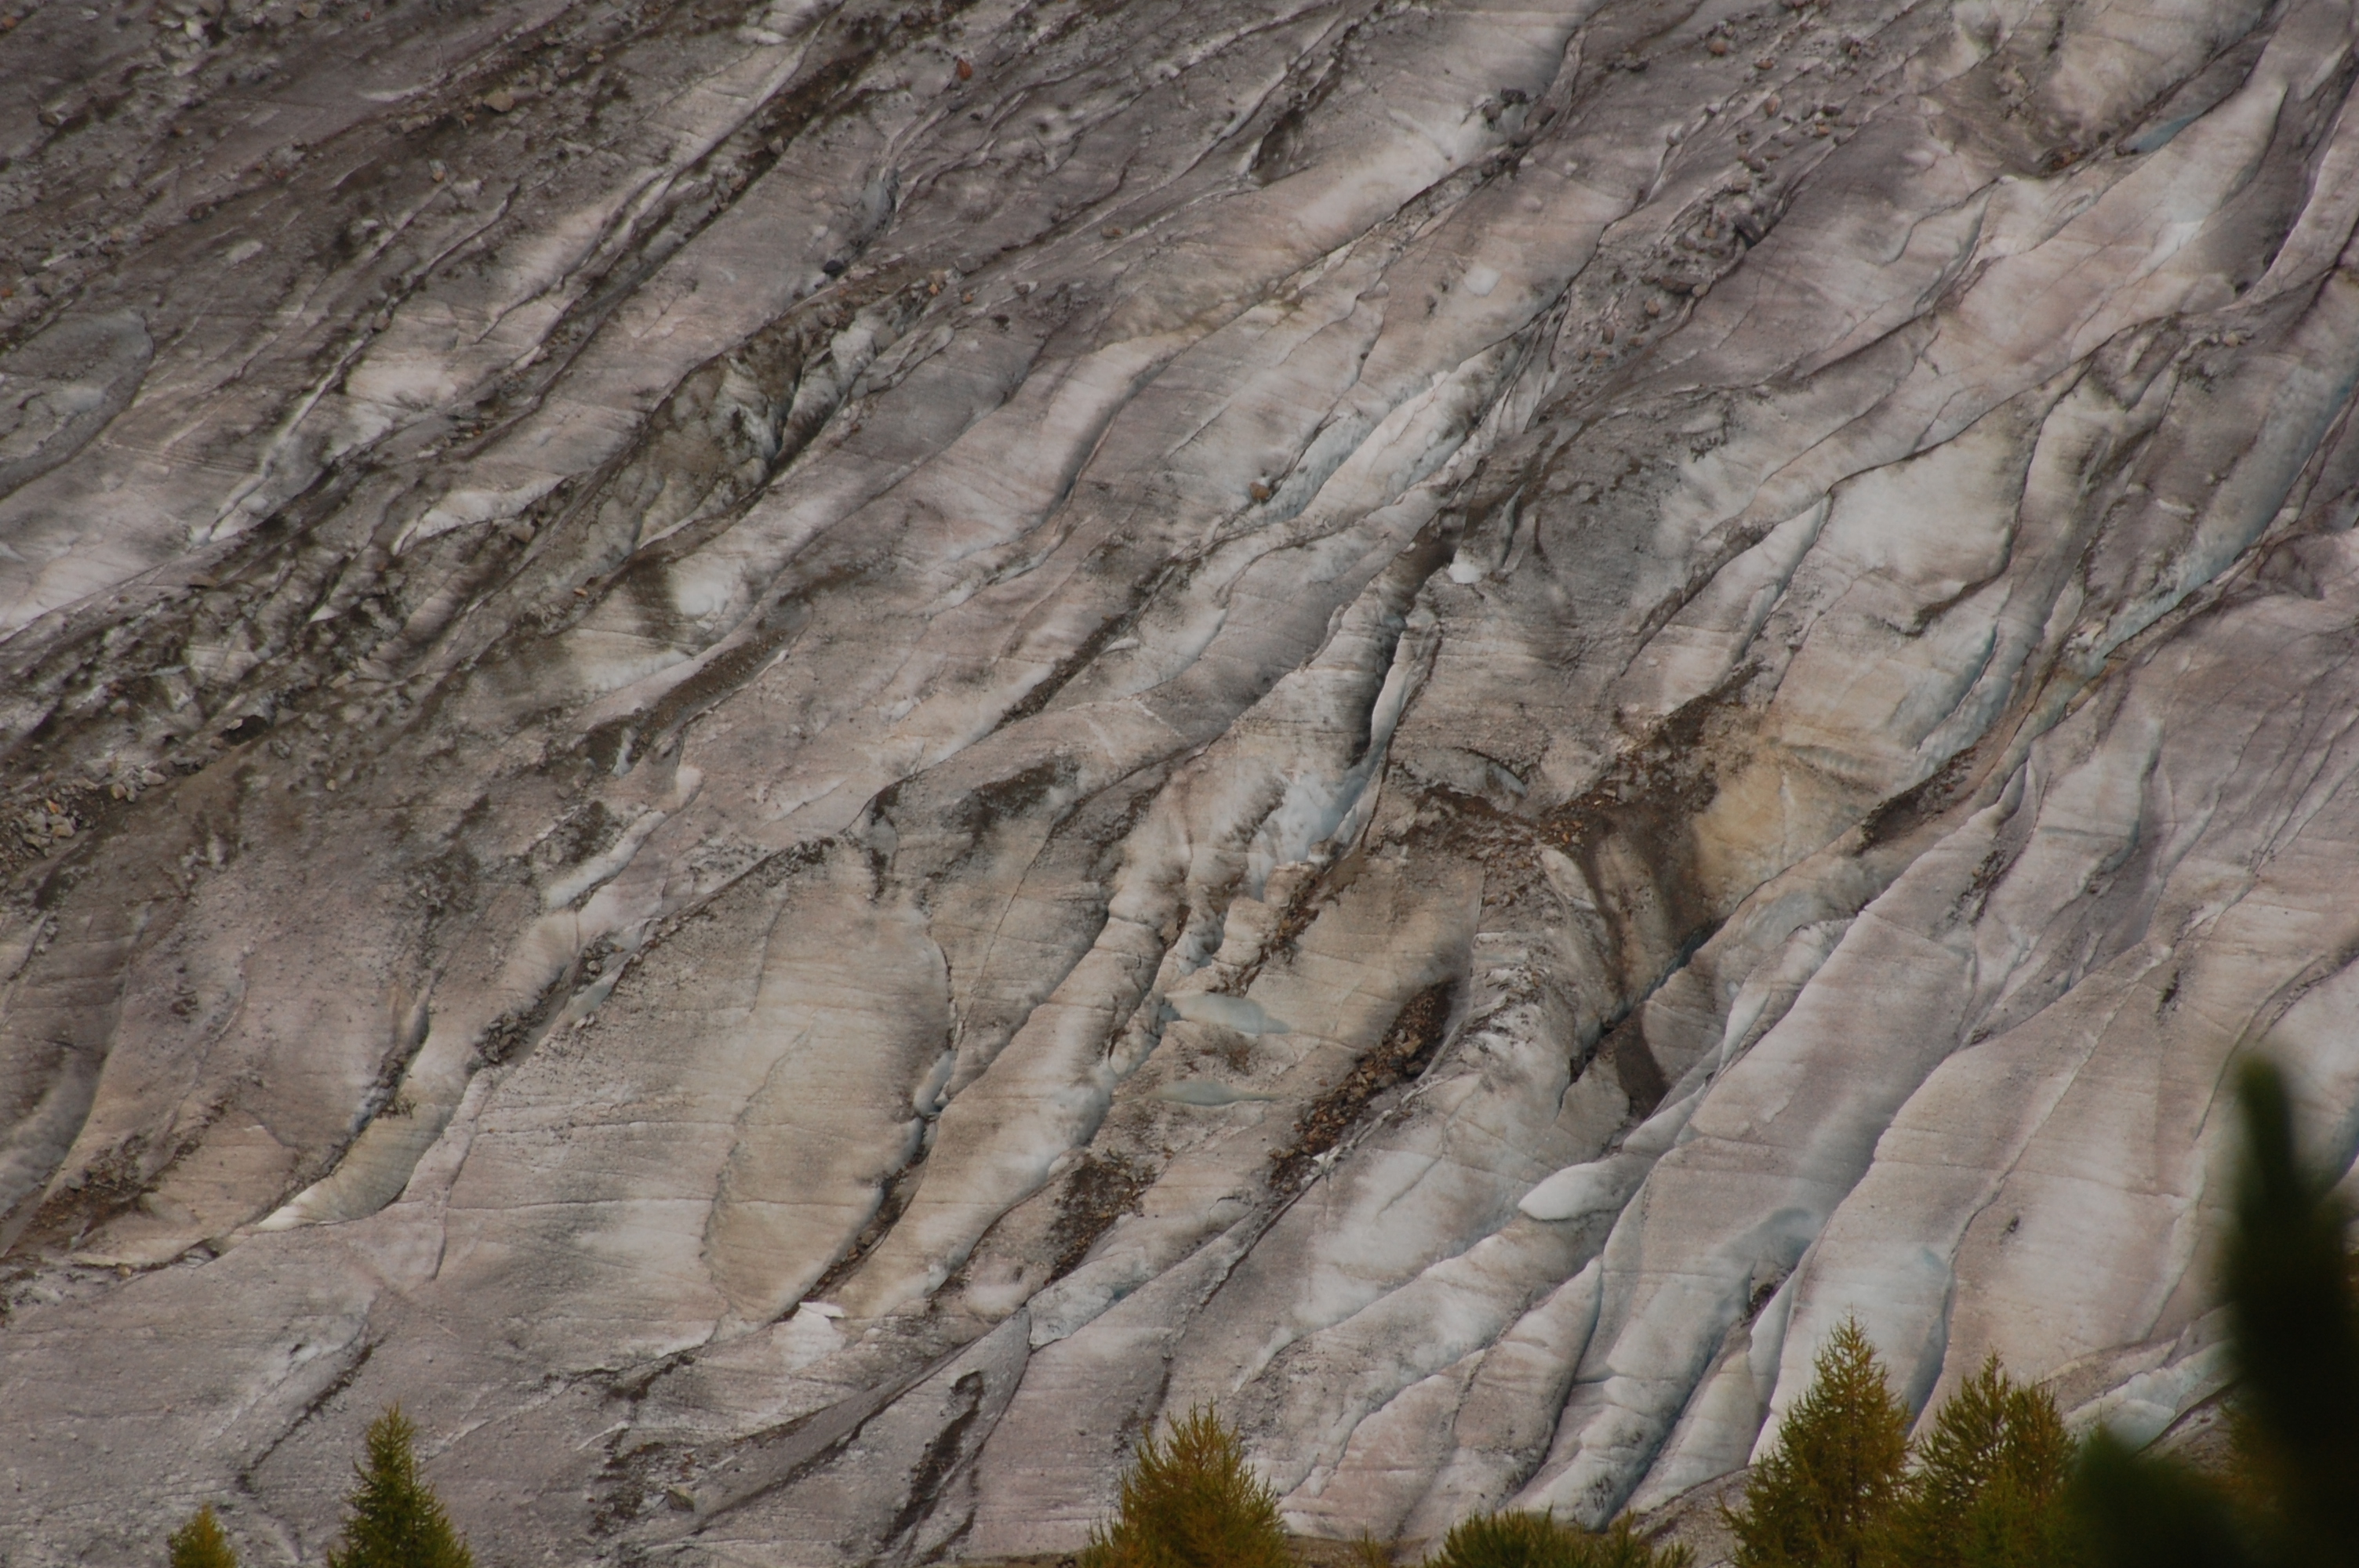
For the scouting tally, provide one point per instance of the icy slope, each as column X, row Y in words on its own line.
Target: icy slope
column 790, row 758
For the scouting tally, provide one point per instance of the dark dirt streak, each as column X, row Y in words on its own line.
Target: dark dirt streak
column 1142, row 595
column 769, row 1461
column 450, row 107
column 175, row 601
column 1099, row 1189
column 317, row 1403
column 109, row 1187
column 941, row 1460
column 898, row 1190
column 346, row 639
column 821, row 94
column 1408, row 1047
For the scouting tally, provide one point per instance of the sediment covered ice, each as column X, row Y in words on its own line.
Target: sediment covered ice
column 794, row 757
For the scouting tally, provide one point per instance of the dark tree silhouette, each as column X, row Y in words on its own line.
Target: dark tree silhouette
column 2295, row 1342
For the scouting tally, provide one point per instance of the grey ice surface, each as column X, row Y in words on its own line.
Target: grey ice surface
column 793, row 757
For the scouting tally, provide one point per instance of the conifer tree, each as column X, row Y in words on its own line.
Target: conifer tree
column 1621, row 1546
column 1190, row 1502
column 1517, row 1540
column 393, row 1519
column 199, row 1543
column 1988, row 1488
column 2294, row 1330
column 1822, row 1496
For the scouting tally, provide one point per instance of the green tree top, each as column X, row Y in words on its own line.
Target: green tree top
column 1516, row 1539
column 1822, row 1497
column 1190, row 1502
column 393, row 1519
column 1987, row 1490
column 199, row 1543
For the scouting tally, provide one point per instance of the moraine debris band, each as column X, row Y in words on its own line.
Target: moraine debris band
column 792, row 757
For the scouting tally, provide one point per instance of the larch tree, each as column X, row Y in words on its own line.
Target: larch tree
column 1823, row 1497
column 200, row 1543
column 1988, row 1489
column 1189, row 1501
column 393, row 1519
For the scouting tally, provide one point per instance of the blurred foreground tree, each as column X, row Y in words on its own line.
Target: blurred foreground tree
column 2294, row 1340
